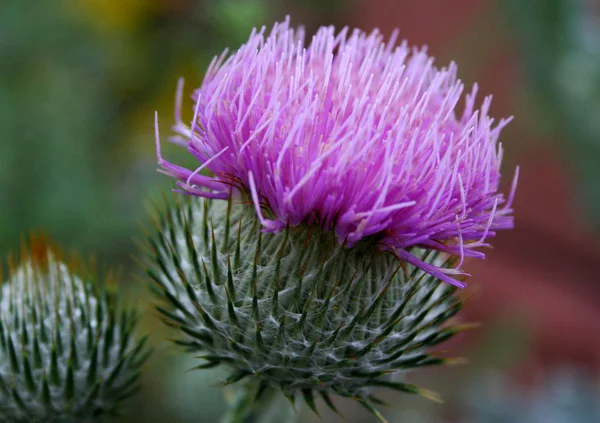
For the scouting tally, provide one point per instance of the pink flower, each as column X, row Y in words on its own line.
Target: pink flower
column 357, row 135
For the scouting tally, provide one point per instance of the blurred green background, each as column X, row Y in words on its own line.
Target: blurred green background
column 79, row 83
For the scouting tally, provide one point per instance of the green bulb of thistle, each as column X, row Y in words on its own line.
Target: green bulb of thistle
column 294, row 310
column 67, row 349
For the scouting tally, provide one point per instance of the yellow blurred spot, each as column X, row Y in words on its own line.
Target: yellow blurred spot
column 114, row 15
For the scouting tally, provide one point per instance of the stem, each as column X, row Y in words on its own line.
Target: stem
column 270, row 407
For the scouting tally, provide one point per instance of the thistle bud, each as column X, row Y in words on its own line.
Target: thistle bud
column 67, row 351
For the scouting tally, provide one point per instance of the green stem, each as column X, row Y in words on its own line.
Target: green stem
column 270, row 407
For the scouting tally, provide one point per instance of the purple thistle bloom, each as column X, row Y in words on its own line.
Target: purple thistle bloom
column 355, row 134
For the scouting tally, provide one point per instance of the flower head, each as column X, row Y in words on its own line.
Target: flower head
column 357, row 135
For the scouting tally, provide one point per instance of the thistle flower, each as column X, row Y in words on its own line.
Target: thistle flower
column 359, row 136
column 67, row 353
column 353, row 193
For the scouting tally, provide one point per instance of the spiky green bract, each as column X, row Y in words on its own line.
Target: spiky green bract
column 295, row 309
column 67, row 351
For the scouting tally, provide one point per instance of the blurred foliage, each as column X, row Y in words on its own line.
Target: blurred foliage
column 64, row 107
column 564, row 396
column 560, row 46
column 485, row 391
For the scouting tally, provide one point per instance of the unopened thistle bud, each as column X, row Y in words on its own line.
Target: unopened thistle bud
column 343, row 194
column 67, row 352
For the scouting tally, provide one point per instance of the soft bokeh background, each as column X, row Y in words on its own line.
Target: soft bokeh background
column 80, row 80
